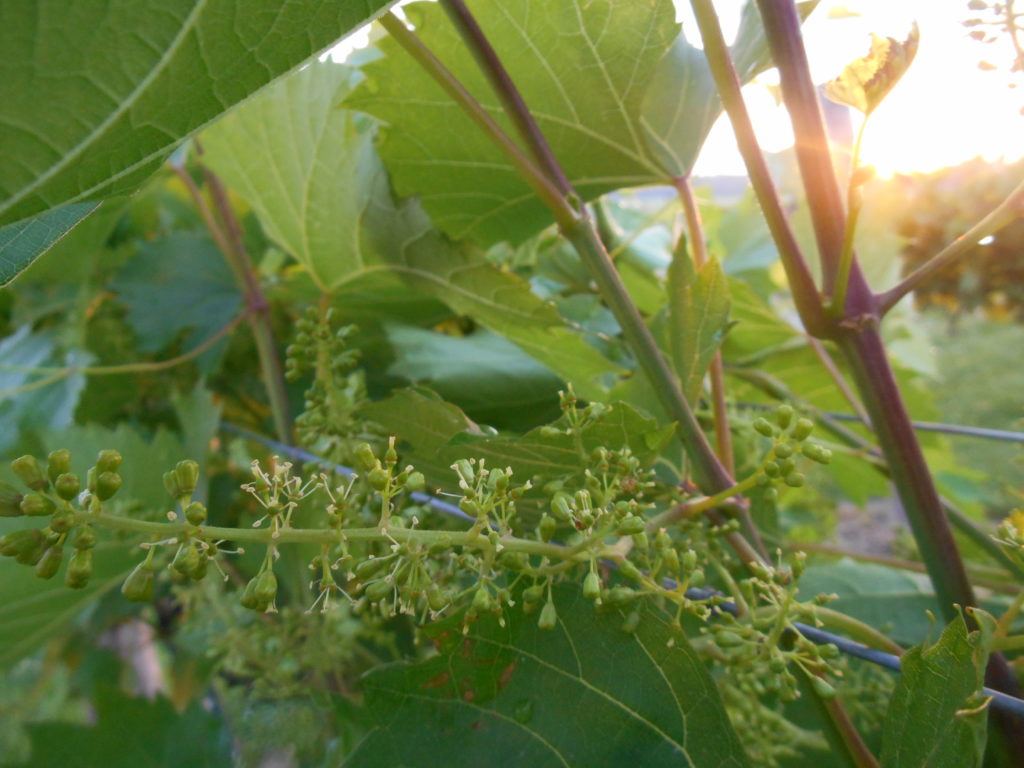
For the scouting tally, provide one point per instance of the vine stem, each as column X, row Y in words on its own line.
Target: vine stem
column 805, row 292
column 854, row 203
column 578, row 229
column 270, row 537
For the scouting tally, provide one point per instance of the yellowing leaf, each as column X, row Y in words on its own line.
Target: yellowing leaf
column 866, row 81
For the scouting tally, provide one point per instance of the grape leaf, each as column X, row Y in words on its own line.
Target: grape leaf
column 24, row 241
column 868, row 80
column 347, row 231
column 681, row 104
column 698, row 317
column 581, row 68
column 96, row 95
column 935, row 719
column 499, row 696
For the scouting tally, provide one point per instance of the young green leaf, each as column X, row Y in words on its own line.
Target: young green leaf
column 935, row 719
column 866, row 81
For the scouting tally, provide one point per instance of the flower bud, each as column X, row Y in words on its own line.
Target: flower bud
column 138, row 587
column 365, row 460
column 13, row 543
column 378, row 478
column 29, row 472
column 79, row 569
column 482, row 601
column 592, row 586
column 784, row 415
column 195, row 513
column 547, row 527
column 63, row 521
column 631, row 623
column 795, row 480
column 171, row 484
column 631, row 525
column 628, row 569
column 67, row 486
column 436, row 599
column 368, row 568
column 57, row 463
column 802, row 429
column 823, row 688
column 37, row 505
column 620, row 595
column 10, row 501
column 783, row 450
column 378, row 590
column 560, row 507
column 107, row 484
column 266, row 586
column 763, row 426
column 186, row 559
column 416, row 482
column 187, row 472
column 49, row 563
column 548, row 616
column 108, row 460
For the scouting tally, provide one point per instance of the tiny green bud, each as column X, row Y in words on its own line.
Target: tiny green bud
column 378, row 478
column 57, row 463
column 248, row 599
column 783, row 450
column 85, row 538
column 29, row 472
column 592, row 586
column 548, row 616
column 49, row 563
column 186, row 559
column 631, row 525
column 10, row 501
column 171, row 484
column 365, row 460
column 482, row 601
column 695, row 577
column 533, row 594
column 620, row 595
column 391, row 455
column 187, row 472
column 195, row 513
column 266, row 586
column 367, row 568
column 802, row 429
column 549, row 432
column 436, row 599
column 628, row 569
column 108, row 460
column 107, row 484
column 378, row 590
column 823, row 688
column 15, row 542
column 795, row 480
column 771, row 469
column 783, row 415
column 816, row 453
column 470, row 507
column 416, row 482
column 671, row 558
column 689, row 560
column 67, row 486
column 79, row 569
column 37, row 505
column 727, row 639
column 763, row 426
column 138, row 587
column 560, row 507
column 641, row 542
column 547, row 527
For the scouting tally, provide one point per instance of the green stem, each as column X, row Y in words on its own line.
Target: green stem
column 854, row 203
column 268, row 537
column 259, row 310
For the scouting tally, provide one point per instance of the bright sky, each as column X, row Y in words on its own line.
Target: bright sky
column 943, row 112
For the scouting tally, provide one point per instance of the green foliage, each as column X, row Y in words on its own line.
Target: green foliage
column 936, row 717
column 495, row 550
column 498, row 695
